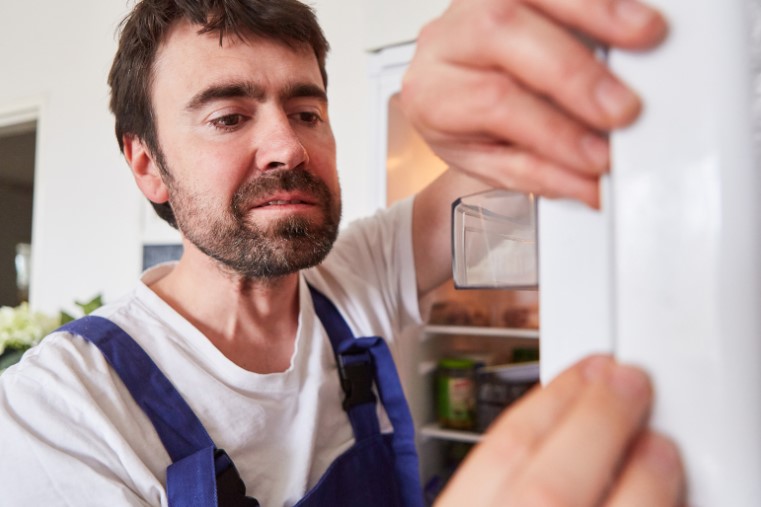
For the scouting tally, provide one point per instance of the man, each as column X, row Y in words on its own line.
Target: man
column 221, row 113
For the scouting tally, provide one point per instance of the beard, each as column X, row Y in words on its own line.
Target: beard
column 256, row 251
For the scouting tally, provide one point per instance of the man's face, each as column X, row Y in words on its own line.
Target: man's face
column 244, row 136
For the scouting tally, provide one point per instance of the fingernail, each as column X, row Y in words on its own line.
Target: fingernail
column 596, row 150
column 629, row 382
column 597, row 368
column 632, row 13
column 626, row 381
column 615, row 99
column 661, row 454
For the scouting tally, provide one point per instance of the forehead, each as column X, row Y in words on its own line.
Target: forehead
column 187, row 61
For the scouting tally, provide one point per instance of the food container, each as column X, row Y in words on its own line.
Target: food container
column 494, row 240
column 499, row 386
column 456, row 393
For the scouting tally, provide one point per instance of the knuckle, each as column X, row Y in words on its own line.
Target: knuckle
column 516, row 173
column 408, row 91
column 525, row 168
column 435, row 116
column 563, row 132
column 534, row 175
column 575, row 67
column 428, row 33
column 494, row 94
column 483, row 19
column 497, row 15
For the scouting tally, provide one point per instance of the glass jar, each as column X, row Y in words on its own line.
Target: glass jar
column 456, row 393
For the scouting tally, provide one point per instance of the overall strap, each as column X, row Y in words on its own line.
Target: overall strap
column 355, row 353
column 200, row 474
column 178, row 427
column 355, row 368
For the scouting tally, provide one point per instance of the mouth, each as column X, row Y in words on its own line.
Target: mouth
column 283, row 200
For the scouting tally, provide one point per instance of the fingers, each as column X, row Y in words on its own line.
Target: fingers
column 578, row 460
column 507, row 166
column 513, row 437
column 539, row 53
column 500, row 108
column 652, row 475
column 493, row 73
column 589, row 90
column 561, row 445
column 627, row 24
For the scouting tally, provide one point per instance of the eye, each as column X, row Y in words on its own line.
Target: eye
column 308, row 117
column 227, row 122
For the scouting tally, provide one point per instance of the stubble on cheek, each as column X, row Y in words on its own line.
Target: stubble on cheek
column 231, row 235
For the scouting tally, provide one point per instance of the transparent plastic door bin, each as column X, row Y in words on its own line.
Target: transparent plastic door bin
column 494, row 240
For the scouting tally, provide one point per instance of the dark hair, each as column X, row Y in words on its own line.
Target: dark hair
column 144, row 29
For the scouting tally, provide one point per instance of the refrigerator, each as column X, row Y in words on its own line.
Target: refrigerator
column 667, row 275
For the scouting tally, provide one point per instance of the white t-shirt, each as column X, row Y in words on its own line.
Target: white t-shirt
column 71, row 434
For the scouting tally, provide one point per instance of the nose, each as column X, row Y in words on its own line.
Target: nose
column 280, row 146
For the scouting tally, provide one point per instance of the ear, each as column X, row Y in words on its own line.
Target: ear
column 144, row 169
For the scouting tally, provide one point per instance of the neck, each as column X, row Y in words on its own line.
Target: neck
column 253, row 322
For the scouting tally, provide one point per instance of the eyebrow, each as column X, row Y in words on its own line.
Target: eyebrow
column 307, row 90
column 225, row 91
column 253, row 91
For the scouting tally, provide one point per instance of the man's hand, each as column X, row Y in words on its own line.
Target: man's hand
column 505, row 91
column 580, row 442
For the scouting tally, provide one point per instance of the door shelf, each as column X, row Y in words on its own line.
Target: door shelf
column 435, row 431
column 481, row 331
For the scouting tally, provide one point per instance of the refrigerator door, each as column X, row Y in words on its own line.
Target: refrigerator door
column 682, row 234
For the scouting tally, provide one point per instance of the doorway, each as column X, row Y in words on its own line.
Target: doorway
column 17, row 162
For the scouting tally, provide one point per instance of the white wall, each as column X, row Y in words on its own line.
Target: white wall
column 88, row 229
column 393, row 22
column 348, row 94
column 56, row 55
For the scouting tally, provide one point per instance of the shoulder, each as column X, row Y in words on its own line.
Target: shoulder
column 64, row 380
column 66, row 415
column 62, row 360
column 62, row 367
column 370, row 273
column 374, row 248
column 393, row 224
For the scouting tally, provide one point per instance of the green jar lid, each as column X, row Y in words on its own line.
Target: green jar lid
column 456, row 363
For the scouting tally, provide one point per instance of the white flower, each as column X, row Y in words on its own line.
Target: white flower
column 20, row 328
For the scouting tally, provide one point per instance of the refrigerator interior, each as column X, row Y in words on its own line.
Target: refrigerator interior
column 488, row 326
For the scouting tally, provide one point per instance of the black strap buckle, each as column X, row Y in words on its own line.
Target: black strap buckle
column 231, row 492
column 357, row 381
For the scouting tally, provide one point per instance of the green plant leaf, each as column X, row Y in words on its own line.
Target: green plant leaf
column 65, row 317
column 92, row 305
column 10, row 357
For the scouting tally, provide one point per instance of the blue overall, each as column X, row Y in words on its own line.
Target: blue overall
column 378, row 470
